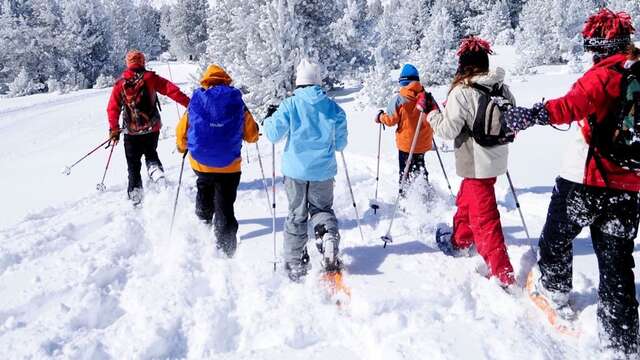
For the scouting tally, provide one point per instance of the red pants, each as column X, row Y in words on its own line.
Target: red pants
column 478, row 221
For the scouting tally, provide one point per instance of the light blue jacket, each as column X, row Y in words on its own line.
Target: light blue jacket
column 315, row 128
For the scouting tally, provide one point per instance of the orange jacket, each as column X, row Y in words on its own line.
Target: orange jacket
column 402, row 112
column 215, row 75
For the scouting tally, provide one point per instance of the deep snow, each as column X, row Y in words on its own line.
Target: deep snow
column 84, row 275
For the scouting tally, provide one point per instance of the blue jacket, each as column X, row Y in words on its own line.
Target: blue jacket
column 315, row 128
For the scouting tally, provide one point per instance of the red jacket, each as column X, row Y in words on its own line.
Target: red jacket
column 595, row 93
column 155, row 84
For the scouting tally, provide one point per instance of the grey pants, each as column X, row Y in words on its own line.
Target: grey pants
column 312, row 199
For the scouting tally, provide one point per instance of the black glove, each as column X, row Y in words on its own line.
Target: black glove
column 520, row 118
column 271, row 110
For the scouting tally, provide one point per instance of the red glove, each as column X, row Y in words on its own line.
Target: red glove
column 426, row 103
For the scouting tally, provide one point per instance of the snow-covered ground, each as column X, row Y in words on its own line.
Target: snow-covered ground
column 83, row 275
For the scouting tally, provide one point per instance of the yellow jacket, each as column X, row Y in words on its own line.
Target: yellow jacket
column 215, row 75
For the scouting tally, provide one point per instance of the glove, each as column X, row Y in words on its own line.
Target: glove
column 114, row 136
column 180, row 149
column 378, row 116
column 520, row 118
column 271, row 110
column 426, row 103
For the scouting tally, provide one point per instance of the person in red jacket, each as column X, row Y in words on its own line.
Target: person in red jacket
column 135, row 97
column 592, row 190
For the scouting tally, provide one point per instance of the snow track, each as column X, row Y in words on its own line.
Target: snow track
column 99, row 279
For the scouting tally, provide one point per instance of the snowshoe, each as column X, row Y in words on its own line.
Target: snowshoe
column 444, row 233
column 555, row 305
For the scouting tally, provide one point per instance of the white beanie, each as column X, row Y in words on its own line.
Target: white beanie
column 308, row 73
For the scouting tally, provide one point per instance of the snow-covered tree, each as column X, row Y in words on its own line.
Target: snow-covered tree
column 85, row 41
column 436, row 57
column 24, row 84
column 150, row 37
column 632, row 8
column 549, row 31
column 353, row 34
column 186, row 28
column 124, row 25
column 496, row 24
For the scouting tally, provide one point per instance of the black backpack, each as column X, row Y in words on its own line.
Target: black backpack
column 489, row 127
column 617, row 138
column 140, row 112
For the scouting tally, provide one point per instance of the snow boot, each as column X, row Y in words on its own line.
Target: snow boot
column 327, row 244
column 298, row 269
column 156, row 174
column 136, row 195
column 557, row 300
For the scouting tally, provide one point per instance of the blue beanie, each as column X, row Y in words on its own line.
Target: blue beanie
column 408, row 74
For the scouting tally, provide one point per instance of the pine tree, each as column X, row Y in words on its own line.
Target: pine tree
column 150, row 37
column 436, row 57
column 496, row 24
column 549, row 31
column 630, row 7
column 124, row 25
column 84, row 42
column 187, row 28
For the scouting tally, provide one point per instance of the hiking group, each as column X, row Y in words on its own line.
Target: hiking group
column 598, row 186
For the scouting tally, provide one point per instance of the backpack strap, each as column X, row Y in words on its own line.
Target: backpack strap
column 496, row 90
column 591, row 154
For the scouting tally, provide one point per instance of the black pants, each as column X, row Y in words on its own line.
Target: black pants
column 612, row 217
column 417, row 167
column 134, row 147
column 216, row 195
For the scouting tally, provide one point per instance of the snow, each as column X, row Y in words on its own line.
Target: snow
column 83, row 275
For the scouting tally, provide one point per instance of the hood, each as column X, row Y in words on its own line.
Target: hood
column 311, row 94
column 490, row 79
column 215, row 75
column 412, row 90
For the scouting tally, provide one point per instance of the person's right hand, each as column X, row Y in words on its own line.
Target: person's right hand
column 114, row 136
column 377, row 119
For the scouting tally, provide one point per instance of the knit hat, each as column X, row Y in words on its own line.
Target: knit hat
column 308, row 73
column 408, row 74
column 607, row 32
column 473, row 52
column 135, row 59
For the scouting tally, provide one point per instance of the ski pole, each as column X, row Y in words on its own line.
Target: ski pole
column 264, row 180
column 171, row 78
column 175, row 203
column 387, row 237
column 435, row 146
column 375, row 206
column 273, row 204
column 353, row 199
column 101, row 187
column 515, row 197
column 67, row 169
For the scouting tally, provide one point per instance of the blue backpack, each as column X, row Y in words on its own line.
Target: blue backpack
column 216, row 123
